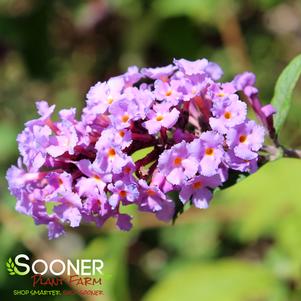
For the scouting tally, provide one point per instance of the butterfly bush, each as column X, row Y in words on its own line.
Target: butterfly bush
column 195, row 128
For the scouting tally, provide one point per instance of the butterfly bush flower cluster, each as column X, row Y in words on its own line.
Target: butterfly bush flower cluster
column 196, row 130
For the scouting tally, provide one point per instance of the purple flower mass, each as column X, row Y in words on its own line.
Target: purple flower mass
column 196, row 128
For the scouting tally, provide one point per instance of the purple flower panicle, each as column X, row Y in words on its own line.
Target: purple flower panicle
column 196, row 127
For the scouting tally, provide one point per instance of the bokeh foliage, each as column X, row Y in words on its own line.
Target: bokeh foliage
column 247, row 245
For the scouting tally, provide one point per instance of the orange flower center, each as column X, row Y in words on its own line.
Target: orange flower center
column 168, row 93
column 209, row 151
column 61, row 181
column 164, row 79
column 227, row 115
column 122, row 194
column 125, row 118
column 150, row 192
column 197, row 185
column 159, row 118
column 111, row 152
column 177, row 161
column 242, row 138
column 127, row 169
column 110, row 100
column 96, row 177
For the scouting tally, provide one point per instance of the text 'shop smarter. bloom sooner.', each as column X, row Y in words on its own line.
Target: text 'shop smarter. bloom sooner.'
column 195, row 128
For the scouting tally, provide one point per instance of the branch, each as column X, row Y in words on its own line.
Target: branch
column 292, row 153
column 275, row 152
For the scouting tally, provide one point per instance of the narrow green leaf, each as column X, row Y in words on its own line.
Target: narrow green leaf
column 284, row 89
column 141, row 153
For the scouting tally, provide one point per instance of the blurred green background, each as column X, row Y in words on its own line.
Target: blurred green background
column 247, row 246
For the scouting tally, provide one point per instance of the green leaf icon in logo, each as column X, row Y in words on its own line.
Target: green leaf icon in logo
column 11, row 268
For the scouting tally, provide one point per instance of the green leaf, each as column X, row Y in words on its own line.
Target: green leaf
column 235, row 280
column 264, row 201
column 284, row 89
column 289, row 241
column 141, row 153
